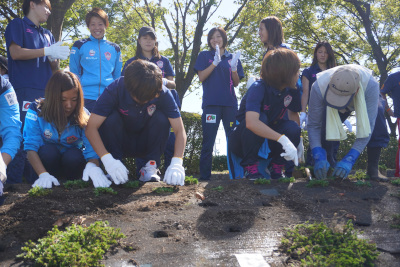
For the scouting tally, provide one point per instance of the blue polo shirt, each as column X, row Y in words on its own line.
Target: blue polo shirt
column 392, row 87
column 32, row 73
column 218, row 89
column 163, row 63
column 311, row 74
column 262, row 98
column 134, row 115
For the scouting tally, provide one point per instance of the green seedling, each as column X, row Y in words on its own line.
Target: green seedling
column 318, row 245
column 363, row 183
column 132, row 184
column 189, row 180
column 262, row 181
column 396, row 182
column 38, row 191
column 76, row 246
column 359, row 175
column 396, row 220
column 318, row 183
column 382, row 167
column 104, row 190
column 218, row 188
column 163, row 190
column 76, row 184
column 286, row 180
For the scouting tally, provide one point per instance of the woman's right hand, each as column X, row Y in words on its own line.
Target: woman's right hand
column 46, row 180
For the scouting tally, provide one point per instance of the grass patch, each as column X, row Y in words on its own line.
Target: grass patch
column 132, row 184
column 104, row 190
column 218, row 188
column 396, row 182
column 318, row 245
column 363, row 183
column 38, row 191
column 358, row 175
column 189, row 180
column 286, row 180
column 76, row 184
column 163, row 190
column 318, row 183
column 262, row 181
column 76, row 246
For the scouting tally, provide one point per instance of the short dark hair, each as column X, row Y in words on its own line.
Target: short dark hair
column 279, row 66
column 97, row 12
column 26, row 5
column 331, row 62
column 274, row 29
column 223, row 34
column 143, row 80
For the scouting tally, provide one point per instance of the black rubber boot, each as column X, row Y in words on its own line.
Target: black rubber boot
column 374, row 154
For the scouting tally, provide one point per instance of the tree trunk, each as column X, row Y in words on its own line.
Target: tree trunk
column 56, row 19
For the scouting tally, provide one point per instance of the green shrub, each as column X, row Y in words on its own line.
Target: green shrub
column 163, row 190
column 358, row 175
column 318, row 245
column 286, row 180
column 192, row 123
column 363, row 183
column 395, row 181
column 189, row 180
column 104, row 190
column 262, row 181
column 77, row 184
column 219, row 163
column 38, row 191
column 316, row 183
column 76, row 246
column 132, row 184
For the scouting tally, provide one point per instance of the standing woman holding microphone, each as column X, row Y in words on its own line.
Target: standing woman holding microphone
column 220, row 72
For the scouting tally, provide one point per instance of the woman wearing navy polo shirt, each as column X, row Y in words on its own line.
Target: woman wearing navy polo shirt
column 261, row 115
column 219, row 71
column 54, row 135
column 96, row 61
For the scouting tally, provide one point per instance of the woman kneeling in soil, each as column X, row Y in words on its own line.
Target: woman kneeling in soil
column 54, row 135
column 261, row 115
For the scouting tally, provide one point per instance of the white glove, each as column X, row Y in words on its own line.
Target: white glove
column 348, row 125
column 175, row 174
column 115, row 168
column 250, row 81
column 217, row 57
column 96, row 174
column 234, row 61
column 57, row 51
column 303, row 119
column 300, row 151
column 164, row 81
column 1, row 188
column 290, row 150
column 3, row 170
column 46, row 180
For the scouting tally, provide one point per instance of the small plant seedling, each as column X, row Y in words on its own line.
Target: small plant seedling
column 316, row 183
column 104, row 190
column 395, row 181
column 132, row 184
column 286, row 180
column 189, row 180
column 382, row 167
column 318, row 245
column 218, row 188
column 163, row 190
column 396, row 220
column 76, row 184
column 38, row 191
column 363, row 183
column 262, row 181
column 359, row 175
column 76, row 246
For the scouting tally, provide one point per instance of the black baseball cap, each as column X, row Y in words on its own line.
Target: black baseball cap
column 3, row 62
column 147, row 30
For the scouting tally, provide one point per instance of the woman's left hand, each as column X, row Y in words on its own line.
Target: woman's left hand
column 235, row 60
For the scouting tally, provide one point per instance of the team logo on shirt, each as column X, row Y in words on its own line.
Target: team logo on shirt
column 25, row 105
column 92, row 52
column 71, row 139
column 48, row 134
column 160, row 64
column 29, row 31
column 11, row 98
column 211, row 118
column 266, row 107
column 151, row 109
column 108, row 55
column 31, row 116
column 287, row 100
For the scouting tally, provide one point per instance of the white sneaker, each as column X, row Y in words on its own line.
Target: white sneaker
column 148, row 173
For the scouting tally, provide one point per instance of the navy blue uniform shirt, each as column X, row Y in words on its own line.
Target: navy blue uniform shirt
column 163, row 63
column 311, row 74
column 262, row 98
column 32, row 73
column 392, row 87
column 135, row 116
column 218, row 89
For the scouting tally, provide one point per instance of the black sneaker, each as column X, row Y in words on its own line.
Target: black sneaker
column 276, row 171
column 251, row 172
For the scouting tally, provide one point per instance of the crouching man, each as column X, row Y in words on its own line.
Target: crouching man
column 132, row 118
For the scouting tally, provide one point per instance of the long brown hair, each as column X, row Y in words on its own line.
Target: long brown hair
column 51, row 107
column 275, row 31
column 139, row 49
column 331, row 62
